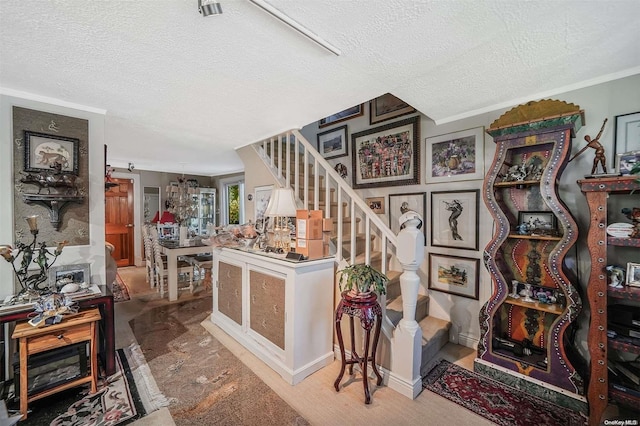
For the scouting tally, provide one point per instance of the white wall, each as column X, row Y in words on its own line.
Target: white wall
column 94, row 252
column 599, row 102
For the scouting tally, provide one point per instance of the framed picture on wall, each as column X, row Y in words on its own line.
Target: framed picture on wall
column 455, row 218
column 347, row 114
column 376, row 204
column 262, row 195
column 416, row 201
column 627, row 133
column 387, row 155
column 42, row 152
column 333, row 143
column 387, row 107
column 455, row 156
column 455, row 275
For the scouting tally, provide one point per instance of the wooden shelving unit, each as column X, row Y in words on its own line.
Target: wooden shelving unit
column 600, row 391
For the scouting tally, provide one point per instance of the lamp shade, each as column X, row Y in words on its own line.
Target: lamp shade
column 282, row 203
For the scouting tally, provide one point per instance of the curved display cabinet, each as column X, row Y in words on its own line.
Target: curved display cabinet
column 525, row 325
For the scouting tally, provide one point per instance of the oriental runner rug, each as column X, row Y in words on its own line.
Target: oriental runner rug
column 494, row 400
column 121, row 399
column 120, row 290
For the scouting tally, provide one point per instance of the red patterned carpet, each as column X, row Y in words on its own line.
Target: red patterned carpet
column 495, row 401
column 120, row 290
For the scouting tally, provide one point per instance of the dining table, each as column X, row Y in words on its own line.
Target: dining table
column 173, row 250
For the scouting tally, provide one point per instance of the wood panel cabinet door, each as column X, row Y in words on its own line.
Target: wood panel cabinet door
column 230, row 291
column 266, row 309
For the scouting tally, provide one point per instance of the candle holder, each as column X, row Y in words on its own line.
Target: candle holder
column 31, row 280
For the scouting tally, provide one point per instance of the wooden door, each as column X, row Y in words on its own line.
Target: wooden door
column 119, row 221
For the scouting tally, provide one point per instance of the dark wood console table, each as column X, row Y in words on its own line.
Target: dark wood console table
column 106, row 335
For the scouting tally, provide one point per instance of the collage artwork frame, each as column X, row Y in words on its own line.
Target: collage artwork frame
column 455, row 275
column 385, row 150
column 42, row 150
column 444, row 206
column 416, row 201
column 466, row 147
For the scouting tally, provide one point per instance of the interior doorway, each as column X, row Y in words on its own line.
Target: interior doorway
column 234, row 203
column 119, row 221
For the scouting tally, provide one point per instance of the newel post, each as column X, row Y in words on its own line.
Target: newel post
column 406, row 344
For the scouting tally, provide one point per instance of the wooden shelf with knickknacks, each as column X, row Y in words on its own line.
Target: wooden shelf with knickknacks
column 613, row 292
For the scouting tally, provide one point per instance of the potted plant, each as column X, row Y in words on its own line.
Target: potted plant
column 362, row 279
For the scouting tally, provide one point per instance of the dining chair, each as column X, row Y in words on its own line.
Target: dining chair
column 161, row 270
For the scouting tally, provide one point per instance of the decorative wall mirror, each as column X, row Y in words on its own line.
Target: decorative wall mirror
column 151, row 203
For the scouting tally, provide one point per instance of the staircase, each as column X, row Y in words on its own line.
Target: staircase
column 411, row 337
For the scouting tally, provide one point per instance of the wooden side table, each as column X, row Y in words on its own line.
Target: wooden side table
column 72, row 330
column 368, row 310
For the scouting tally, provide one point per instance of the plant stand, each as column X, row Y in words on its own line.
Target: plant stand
column 368, row 310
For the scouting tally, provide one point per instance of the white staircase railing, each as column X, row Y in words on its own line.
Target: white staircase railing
column 295, row 163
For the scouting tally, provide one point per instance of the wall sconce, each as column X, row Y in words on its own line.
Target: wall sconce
column 209, row 7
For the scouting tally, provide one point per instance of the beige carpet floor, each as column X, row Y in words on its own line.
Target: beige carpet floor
column 314, row 398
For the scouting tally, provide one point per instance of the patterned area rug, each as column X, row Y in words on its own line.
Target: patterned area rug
column 495, row 401
column 117, row 402
column 203, row 381
column 120, row 290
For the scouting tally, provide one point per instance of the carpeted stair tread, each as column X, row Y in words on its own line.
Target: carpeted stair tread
column 435, row 334
column 394, row 308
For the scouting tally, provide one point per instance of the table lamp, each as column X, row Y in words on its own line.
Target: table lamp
column 282, row 205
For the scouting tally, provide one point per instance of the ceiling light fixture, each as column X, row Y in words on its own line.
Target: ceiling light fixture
column 296, row 26
column 209, row 7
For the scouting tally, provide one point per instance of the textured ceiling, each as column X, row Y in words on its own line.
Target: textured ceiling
column 182, row 91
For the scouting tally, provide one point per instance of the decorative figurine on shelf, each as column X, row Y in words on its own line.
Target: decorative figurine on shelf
column 31, row 280
column 514, row 289
column 633, row 214
column 597, row 146
column 616, row 275
column 527, row 293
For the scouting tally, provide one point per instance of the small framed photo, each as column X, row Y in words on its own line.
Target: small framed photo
column 455, row 218
column 79, row 274
column 376, row 204
column 455, row 275
column 386, row 107
column 42, row 152
column 347, row 114
column 333, row 143
column 537, row 223
column 626, row 161
column 261, row 201
column 633, row 274
column 416, row 201
column 627, row 133
column 455, row 156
